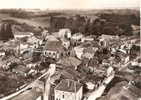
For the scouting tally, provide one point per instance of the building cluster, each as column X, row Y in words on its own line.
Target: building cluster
column 82, row 63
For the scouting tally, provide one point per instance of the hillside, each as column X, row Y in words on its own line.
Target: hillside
column 37, row 18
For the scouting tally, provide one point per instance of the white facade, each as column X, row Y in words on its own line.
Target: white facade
column 64, row 33
column 90, row 85
column 103, row 42
column 88, row 55
column 39, row 98
column 64, row 95
column 23, row 35
column 77, row 37
column 78, row 52
column 66, row 44
column 2, row 53
column 52, row 54
column 85, row 39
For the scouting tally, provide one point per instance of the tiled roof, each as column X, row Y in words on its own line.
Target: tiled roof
column 68, row 86
column 51, row 38
column 90, row 50
column 54, row 46
column 22, row 68
column 69, row 61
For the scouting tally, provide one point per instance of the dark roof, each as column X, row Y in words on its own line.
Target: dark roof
column 68, row 86
column 21, row 68
column 54, row 46
column 89, row 50
column 69, row 61
column 66, row 75
column 6, row 31
column 90, row 44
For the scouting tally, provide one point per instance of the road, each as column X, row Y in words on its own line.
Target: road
column 47, row 83
column 94, row 95
column 25, row 92
column 32, row 94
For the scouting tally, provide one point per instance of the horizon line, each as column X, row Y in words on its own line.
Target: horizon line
column 106, row 8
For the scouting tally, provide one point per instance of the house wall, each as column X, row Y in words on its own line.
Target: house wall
column 86, row 39
column 66, row 44
column 21, row 36
column 52, row 54
column 78, row 37
column 40, row 98
column 79, row 52
column 61, row 95
column 88, row 55
column 104, row 42
column 2, row 53
column 64, row 33
column 79, row 94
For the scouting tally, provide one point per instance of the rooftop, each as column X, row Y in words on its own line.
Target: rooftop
column 69, row 61
column 22, row 68
column 54, row 46
column 68, row 86
column 52, row 37
column 90, row 50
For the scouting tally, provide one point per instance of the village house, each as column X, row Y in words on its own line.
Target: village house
column 94, row 84
column 86, row 50
column 104, row 40
column 34, row 42
column 45, row 33
column 89, row 52
column 87, row 39
column 70, row 62
column 22, row 47
column 79, row 51
column 106, row 62
column 53, row 49
column 27, row 54
column 135, row 65
column 68, row 90
column 22, row 70
column 22, row 34
column 10, row 46
column 5, row 62
column 90, row 85
column 64, row 33
column 51, row 38
column 66, row 43
column 137, row 61
column 77, row 37
column 135, row 29
column 2, row 53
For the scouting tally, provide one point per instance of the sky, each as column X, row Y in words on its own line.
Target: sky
column 69, row 4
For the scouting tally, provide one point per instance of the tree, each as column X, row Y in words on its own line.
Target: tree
column 6, row 32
